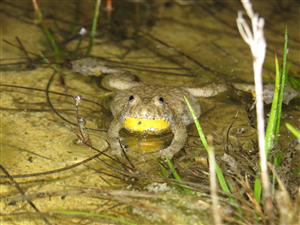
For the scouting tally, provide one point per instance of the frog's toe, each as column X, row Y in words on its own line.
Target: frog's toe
column 167, row 153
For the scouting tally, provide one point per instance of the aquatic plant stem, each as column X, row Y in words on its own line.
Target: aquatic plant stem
column 94, row 26
column 49, row 35
column 256, row 41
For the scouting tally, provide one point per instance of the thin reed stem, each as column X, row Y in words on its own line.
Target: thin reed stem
column 49, row 35
column 256, row 41
column 94, row 26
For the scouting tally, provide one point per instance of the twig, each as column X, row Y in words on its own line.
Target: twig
column 22, row 47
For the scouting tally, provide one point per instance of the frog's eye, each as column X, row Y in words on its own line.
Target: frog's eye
column 161, row 99
column 131, row 98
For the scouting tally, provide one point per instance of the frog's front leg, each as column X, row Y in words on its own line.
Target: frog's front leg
column 93, row 67
column 113, row 137
column 178, row 142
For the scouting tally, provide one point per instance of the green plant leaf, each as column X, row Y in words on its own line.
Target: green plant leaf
column 257, row 188
column 271, row 134
column 293, row 130
column 220, row 175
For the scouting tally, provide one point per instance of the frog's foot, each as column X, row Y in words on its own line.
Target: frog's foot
column 167, row 153
column 119, row 81
column 289, row 92
column 207, row 90
column 116, row 148
column 179, row 139
column 93, row 67
column 114, row 138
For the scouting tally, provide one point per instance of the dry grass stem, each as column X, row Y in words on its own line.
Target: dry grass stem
column 213, row 185
column 256, row 41
column 37, row 10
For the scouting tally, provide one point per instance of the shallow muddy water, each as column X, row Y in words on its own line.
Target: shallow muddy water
column 164, row 42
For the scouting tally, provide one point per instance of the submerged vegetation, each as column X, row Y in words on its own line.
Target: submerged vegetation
column 103, row 189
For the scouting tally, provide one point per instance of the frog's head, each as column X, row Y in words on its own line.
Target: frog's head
column 142, row 110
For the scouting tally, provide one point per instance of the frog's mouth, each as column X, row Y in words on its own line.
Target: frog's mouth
column 146, row 126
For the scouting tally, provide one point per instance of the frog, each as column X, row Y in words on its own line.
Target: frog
column 150, row 110
column 147, row 109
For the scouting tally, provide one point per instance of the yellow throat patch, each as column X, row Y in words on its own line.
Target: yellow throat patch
column 147, row 126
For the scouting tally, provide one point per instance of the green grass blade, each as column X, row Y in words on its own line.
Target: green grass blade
column 283, row 78
column 199, row 128
column 53, row 43
column 257, row 188
column 220, row 175
column 275, row 114
column 173, row 170
column 94, row 26
column 273, row 119
column 222, row 179
column 49, row 35
column 293, row 130
column 273, row 127
column 164, row 171
column 177, row 176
